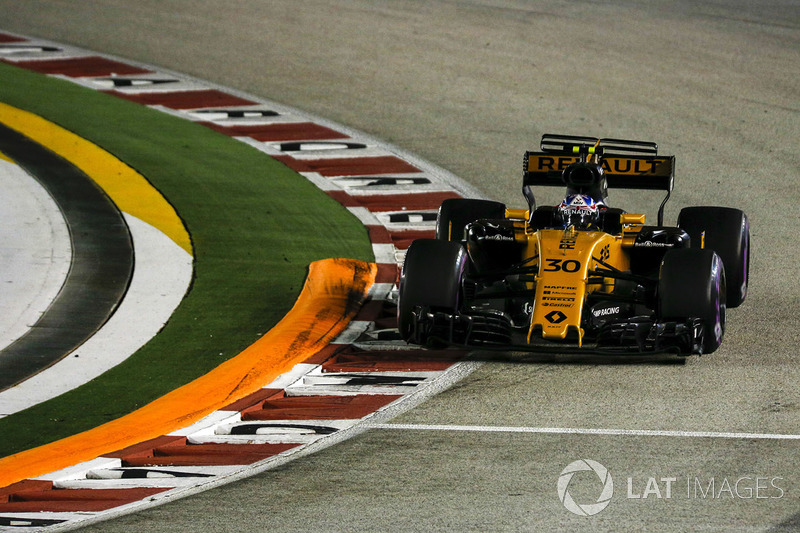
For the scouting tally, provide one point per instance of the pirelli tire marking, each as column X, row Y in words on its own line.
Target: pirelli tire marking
column 368, row 372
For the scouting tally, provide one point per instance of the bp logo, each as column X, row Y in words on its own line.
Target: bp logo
column 585, row 509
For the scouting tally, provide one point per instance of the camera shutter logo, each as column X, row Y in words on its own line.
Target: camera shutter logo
column 586, row 509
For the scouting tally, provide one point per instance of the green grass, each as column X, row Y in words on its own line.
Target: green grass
column 255, row 226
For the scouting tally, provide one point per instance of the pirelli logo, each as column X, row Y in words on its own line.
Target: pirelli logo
column 631, row 166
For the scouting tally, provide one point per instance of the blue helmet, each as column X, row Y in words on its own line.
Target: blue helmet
column 579, row 210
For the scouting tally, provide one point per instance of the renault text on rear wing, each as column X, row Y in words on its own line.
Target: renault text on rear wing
column 621, row 172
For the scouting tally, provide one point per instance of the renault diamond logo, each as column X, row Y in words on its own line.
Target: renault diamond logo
column 555, row 317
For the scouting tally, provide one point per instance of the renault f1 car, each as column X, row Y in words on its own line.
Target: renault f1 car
column 581, row 276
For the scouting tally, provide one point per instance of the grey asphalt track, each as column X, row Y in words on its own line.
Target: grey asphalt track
column 470, row 85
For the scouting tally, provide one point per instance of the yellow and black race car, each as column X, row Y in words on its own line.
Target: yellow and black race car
column 581, row 275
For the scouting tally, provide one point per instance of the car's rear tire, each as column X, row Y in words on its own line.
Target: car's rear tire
column 691, row 284
column 727, row 232
column 456, row 213
column 432, row 276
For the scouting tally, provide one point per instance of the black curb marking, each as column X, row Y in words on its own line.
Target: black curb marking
column 237, row 113
column 101, row 269
column 321, row 146
column 136, row 82
column 253, row 427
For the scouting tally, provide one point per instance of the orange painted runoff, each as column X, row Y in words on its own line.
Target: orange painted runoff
column 333, row 293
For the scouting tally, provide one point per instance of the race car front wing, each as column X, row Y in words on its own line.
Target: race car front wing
column 494, row 331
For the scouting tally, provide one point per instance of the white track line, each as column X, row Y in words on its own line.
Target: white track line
column 587, row 431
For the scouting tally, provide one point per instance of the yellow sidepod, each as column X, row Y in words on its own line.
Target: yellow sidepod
column 566, row 258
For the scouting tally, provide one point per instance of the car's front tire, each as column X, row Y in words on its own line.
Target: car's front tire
column 432, row 277
column 691, row 285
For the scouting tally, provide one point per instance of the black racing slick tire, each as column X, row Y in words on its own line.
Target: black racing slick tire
column 727, row 232
column 432, row 275
column 691, row 285
column 456, row 213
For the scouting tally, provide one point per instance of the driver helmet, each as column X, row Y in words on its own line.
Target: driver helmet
column 579, row 210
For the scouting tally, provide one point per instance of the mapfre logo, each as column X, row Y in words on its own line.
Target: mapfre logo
column 605, row 487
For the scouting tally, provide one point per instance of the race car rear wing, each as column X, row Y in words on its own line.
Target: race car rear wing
column 568, row 143
column 626, row 164
column 622, row 172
